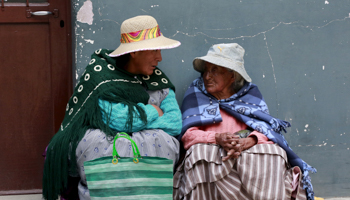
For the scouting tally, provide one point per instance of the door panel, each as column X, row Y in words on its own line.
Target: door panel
column 25, row 96
column 25, row 1
column 35, row 85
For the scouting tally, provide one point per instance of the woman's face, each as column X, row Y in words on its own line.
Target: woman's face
column 218, row 81
column 144, row 62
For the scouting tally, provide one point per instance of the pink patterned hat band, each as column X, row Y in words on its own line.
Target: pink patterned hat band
column 140, row 35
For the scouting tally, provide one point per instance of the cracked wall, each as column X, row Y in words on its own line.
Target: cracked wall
column 297, row 52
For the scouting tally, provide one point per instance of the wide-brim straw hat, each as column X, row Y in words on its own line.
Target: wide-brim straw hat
column 142, row 33
column 225, row 55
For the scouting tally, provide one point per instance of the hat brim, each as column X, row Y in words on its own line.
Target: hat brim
column 199, row 64
column 160, row 42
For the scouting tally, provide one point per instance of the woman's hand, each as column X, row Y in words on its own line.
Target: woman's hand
column 227, row 141
column 160, row 112
column 248, row 142
column 239, row 146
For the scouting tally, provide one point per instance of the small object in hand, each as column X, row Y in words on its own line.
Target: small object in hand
column 233, row 143
column 243, row 133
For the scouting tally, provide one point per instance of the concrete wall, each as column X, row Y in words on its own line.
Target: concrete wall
column 297, row 52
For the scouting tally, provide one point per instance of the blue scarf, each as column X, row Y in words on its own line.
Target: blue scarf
column 200, row 108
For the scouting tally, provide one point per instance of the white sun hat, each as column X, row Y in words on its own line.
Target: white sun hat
column 228, row 55
column 142, row 33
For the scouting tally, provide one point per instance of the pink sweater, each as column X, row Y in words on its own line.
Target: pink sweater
column 206, row 134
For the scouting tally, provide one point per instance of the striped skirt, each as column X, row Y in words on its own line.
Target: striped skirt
column 261, row 172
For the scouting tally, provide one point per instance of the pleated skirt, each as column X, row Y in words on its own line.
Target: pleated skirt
column 261, row 172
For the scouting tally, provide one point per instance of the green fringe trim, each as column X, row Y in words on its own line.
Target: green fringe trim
column 61, row 149
column 86, row 114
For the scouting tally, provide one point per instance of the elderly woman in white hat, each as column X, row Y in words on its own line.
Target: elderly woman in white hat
column 120, row 91
column 234, row 148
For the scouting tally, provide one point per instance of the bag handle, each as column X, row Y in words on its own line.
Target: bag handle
column 135, row 149
column 133, row 144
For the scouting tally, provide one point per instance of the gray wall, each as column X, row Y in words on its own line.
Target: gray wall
column 297, row 52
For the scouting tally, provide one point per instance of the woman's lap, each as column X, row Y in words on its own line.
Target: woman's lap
column 95, row 144
column 261, row 172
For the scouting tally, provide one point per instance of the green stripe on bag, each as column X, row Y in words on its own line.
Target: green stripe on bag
column 130, row 191
column 127, row 175
column 149, row 160
column 127, row 163
column 139, row 182
column 137, row 197
column 149, row 178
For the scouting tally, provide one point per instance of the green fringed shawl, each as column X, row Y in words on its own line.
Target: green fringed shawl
column 101, row 80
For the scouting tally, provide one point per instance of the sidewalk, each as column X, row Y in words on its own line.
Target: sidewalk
column 38, row 197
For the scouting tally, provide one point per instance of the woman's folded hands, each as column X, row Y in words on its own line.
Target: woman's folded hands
column 234, row 145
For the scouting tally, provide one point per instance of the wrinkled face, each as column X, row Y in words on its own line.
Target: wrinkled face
column 145, row 61
column 218, row 81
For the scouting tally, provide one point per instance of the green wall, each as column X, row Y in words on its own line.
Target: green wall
column 297, row 52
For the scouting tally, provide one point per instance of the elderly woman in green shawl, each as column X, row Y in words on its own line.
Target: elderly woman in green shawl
column 120, row 91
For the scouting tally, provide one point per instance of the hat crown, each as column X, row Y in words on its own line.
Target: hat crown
column 228, row 55
column 142, row 33
column 232, row 51
column 138, row 23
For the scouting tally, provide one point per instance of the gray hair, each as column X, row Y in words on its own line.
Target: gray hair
column 239, row 81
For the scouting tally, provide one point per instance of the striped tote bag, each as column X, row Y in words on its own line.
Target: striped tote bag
column 115, row 177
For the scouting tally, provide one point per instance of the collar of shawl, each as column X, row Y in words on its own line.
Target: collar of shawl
column 247, row 105
column 101, row 76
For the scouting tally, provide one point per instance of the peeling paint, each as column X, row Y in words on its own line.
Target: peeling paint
column 89, row 41
column 76, row 75
column 85, row 14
